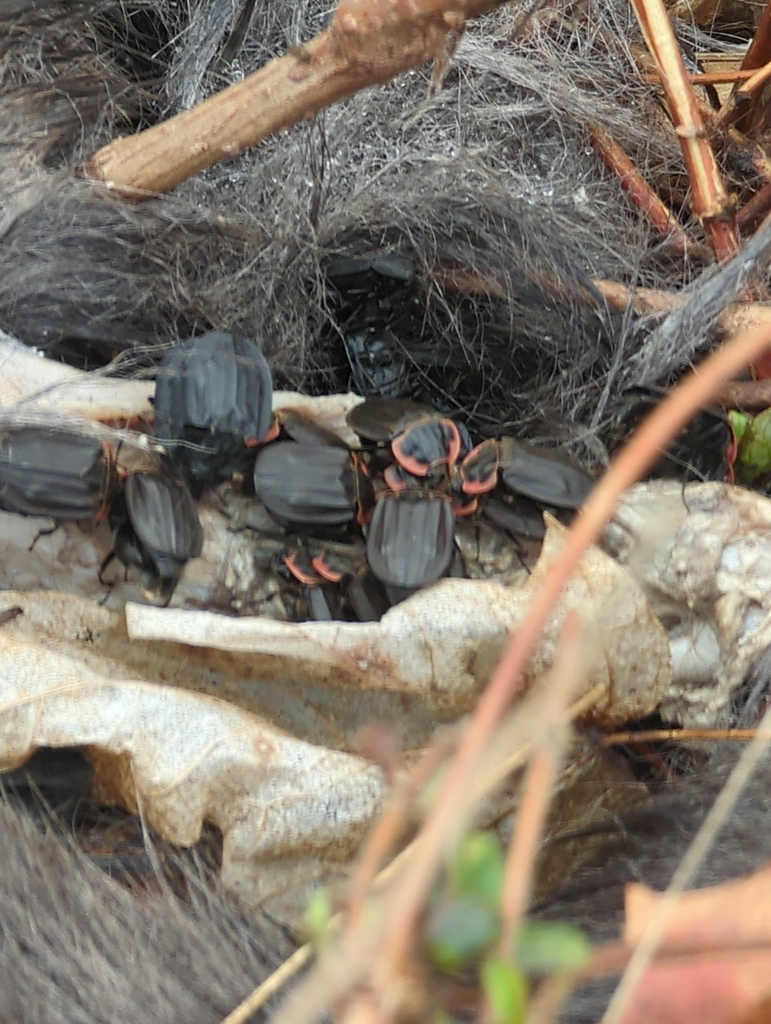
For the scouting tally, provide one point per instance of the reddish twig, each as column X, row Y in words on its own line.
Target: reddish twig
column 391, row 822
column 633, row 183
column 654, row 932
column 749, row 395
column 711, row 203
column 755, row 209
column 755, row 82
column 737, row 317
column 742, row 97
column 758, row 54
column 705, row 77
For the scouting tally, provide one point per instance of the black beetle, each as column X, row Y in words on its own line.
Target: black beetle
column 371, row 290
column 355, row 274
column 410, row 539
column 378, row 366
column 54, row 473
column 421, row 439
column 543, row 475
column 479, row 469
column 213, row 392
column 383, row 419
column 519, row 517
column 309, row 484
column 157, row 530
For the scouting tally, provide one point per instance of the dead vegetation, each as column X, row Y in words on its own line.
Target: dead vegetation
column 532, row 182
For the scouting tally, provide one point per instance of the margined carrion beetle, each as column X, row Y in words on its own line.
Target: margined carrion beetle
column 213, row 394
column 54, row 473
column 157, row 529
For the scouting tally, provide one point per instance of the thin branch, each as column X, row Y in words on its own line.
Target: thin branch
column 615, row 739
column 705, row 77
column 392, row 820
column 369, row 42
column 711, row 202
column 749, row 395
column 549, row 746
column 754, row 209
column 687, row 869
column 643, row 196
column 758, row 54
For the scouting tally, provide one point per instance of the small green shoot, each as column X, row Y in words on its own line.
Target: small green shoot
column 317, row 919
column 506, row 989
column 551, row 948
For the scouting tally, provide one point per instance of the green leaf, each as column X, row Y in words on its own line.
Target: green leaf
column 459, row 931
column 754, row 457
column 506, row 989
column 478, row 868
column 739, row 421
column 317, row 918
column 550, row 948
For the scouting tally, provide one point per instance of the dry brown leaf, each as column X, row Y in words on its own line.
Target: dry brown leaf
column 292, row 814
column 712, row 988
column 444, row 641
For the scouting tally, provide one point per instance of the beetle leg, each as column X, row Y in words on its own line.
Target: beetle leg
column 454, row 446
column 319, row 607
column 44, row 533
column 459, row 509
column 9, row 614
column 273, row 432
column 111, row 556
column 398, row 479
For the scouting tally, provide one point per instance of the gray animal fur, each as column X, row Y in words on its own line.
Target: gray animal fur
column 494, row 173
column 76, row 948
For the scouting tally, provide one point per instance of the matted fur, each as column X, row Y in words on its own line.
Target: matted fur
column 77, row 948
column 495, row 173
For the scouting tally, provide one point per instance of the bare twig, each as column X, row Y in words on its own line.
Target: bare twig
column 549, row 745
column 633, row 183
column 369, row 42
column 612, row 957
column 749, row 395
column 687, row 329
column 755, row 209
column 615, row 739
column 391, row 822
column 706, row 77
column 313, row 997
column 737, row 317
column 758, row 54
column 711, row 203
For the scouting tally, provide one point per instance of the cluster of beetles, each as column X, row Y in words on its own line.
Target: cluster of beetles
column 380, row 515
